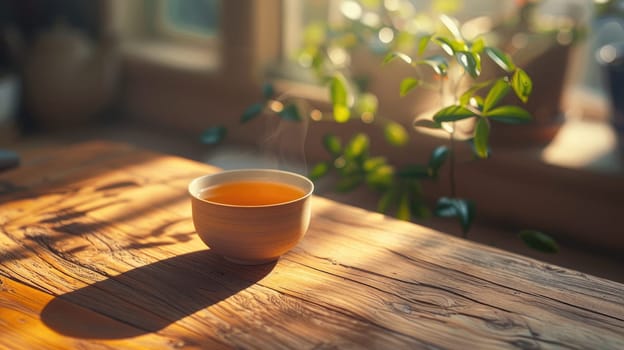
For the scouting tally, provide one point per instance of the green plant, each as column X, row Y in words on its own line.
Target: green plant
column 443, row 61
column 470, row 103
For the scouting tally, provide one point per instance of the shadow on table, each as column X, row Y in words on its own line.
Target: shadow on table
column 150, row 298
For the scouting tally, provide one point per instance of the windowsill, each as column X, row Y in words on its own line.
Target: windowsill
column 187, row 58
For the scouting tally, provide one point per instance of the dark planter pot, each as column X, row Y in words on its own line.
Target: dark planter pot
column 547, row 68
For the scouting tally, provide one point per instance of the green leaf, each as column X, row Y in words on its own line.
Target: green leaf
column 290, row 112
column 449, row 46
column 522, row 85
column 213, row 135
column 464, row 99
column 338, row 90
column 437, row 158
column 341, row 113
column 367, row 103
column 497, row 92
column 349, row 183
column 318, row 171
column 445, row 208
column 422, row 43
column 347, row 167
column 462, row 209
column 408, row 84
column 509, row 115
column 395, row 134
column 268, row 91
column 452, row 25
column 251, row 112
column 438, row 63
column 414, row 171
column 403, row 211
column 466, row 211
column 357, row 146
column 392, row 55
column 373, row 163
column 332, row 144
column 339, row 96
column 539, row 241
column 452, row 113
column 481, row 138
column 477, row 102
column 477, row 46
column 381, row 178
column 470, row 62
column 500, row 58
column 388, row 198
column 426, row 123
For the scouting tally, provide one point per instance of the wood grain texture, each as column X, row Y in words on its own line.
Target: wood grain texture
column 98, row 249
column 21, row 306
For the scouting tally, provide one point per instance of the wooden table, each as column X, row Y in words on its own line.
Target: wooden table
column 97, row 250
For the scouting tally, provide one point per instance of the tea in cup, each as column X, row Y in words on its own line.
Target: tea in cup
column 251, row 216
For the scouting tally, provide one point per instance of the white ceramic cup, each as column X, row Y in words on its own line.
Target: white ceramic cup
column 251, row 234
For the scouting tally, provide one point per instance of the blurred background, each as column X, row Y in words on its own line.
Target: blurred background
column 157, row 73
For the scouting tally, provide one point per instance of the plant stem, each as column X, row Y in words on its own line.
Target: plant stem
column 452, row 146
column 452, row 170
column 452, row 138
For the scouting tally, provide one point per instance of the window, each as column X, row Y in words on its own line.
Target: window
column 187, row 19
column 182, row 33
column 218, row 68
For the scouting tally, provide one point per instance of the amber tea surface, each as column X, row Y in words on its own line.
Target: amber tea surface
column 252, row 193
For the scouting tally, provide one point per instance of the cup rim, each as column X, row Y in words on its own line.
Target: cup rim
column 307, row 193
